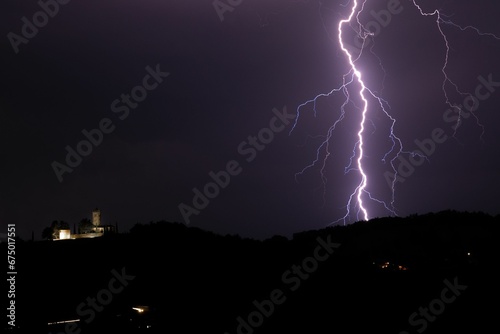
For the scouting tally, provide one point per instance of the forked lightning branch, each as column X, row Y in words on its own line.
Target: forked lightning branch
column 366, row 99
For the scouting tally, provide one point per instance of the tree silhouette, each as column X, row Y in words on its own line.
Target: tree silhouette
column 85, row 226
column 52, row 232
column 47, row 233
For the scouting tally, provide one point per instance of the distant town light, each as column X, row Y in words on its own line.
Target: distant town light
column 63, row 322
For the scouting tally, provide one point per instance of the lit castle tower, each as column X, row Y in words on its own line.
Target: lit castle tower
column 96, row 217
column 89, row 231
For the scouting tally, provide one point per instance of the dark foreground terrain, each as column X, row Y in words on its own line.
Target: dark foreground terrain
column 433, row 273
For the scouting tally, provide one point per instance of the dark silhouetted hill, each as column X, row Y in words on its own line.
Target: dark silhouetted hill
column 364, row 277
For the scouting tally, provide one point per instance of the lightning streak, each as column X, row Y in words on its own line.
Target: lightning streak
column 354, row 76
column 362, row 185
column 439, row 22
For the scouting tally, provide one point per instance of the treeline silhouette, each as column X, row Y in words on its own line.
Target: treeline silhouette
column 364, row 277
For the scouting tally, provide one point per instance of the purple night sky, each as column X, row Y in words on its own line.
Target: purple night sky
column 224, row 80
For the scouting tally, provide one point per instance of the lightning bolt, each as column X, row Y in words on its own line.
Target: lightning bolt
column 356, row 200
column 362, row 185
column 440, row 21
